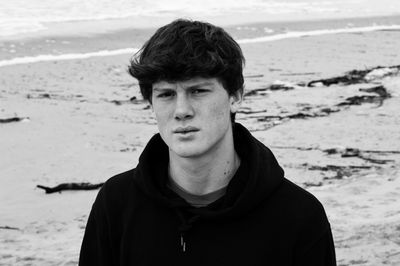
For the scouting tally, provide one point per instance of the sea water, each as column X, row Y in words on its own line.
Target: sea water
column 23, row 16
column 276, row 20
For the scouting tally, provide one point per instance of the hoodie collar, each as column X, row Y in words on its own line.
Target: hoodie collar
column 258, row 176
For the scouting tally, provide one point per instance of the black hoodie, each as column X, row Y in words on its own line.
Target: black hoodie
column 263, row 219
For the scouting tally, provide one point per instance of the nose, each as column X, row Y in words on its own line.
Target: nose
column 183, row 109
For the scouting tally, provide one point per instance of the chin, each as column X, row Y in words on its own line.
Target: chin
column 188, row 152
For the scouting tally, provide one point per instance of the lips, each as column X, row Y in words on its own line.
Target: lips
column 185, row 130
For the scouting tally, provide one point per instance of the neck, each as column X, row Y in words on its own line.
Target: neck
column 206, row 174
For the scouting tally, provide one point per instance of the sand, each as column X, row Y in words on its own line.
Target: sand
column 74, row 131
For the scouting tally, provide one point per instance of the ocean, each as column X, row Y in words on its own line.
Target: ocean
column 24, row 16
column 30, row 30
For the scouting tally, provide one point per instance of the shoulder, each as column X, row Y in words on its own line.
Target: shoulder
column 120, row 182
column 116, row 191
column 309, row 220
column 306, row 211
column 311, row 230
column 303, row 199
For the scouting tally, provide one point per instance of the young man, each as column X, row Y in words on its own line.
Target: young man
column 205, row 191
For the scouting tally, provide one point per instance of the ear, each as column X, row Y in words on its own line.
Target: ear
column 236, row 100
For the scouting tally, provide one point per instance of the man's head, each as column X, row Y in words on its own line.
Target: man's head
column 187, row 49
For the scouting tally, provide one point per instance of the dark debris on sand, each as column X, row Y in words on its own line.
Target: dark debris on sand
column 70, row 186
column 9, row 228
column 354, row 152
column 339, row 171
column 353, row 77
column 272, row 87
column 342, row 168
column 13, row 119
column 376, row 94
column 380, row 94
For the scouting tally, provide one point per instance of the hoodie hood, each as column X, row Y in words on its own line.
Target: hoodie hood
column 258, row 176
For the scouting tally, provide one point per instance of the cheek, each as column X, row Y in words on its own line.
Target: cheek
column 161, row 117
column 219, row 111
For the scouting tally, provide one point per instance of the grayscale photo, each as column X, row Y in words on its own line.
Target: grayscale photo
column 259, row 132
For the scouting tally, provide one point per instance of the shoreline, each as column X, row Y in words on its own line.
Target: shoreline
column 82, row 28
column 121, row 42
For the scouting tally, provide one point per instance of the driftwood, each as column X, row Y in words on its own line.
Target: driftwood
column 12, row 119
column 254, row 76
column 9, row 228
column 278, row 86
column 310, row 184
column 131, row 100
column 70, row 186
column 39, row 96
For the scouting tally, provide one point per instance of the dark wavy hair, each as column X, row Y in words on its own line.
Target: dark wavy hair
column 185, row 49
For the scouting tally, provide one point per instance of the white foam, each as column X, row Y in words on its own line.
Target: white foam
column 298, row 34
column 10, row 28
column 270, row 38
column 63, row 57
column 24, row 16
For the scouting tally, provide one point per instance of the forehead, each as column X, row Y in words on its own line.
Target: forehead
column 192, row 82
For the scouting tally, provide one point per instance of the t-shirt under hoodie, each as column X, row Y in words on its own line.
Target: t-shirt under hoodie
column 262, row 219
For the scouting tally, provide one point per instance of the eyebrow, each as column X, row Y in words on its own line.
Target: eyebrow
column 200, row 85
column 195, row 86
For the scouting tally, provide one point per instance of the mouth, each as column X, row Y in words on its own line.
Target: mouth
column 185, row 130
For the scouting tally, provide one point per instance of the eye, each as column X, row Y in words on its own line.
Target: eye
column 166, row 94
column 199, row 91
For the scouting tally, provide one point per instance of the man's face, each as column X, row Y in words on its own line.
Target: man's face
column 193, row 116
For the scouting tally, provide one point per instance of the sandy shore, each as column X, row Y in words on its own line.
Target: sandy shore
column 79, row 125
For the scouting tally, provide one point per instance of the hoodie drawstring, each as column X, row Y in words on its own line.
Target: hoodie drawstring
column 182, row 230
column 186, row 225
column 183, row 243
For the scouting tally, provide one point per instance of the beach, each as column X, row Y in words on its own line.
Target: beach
column 79, row 117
